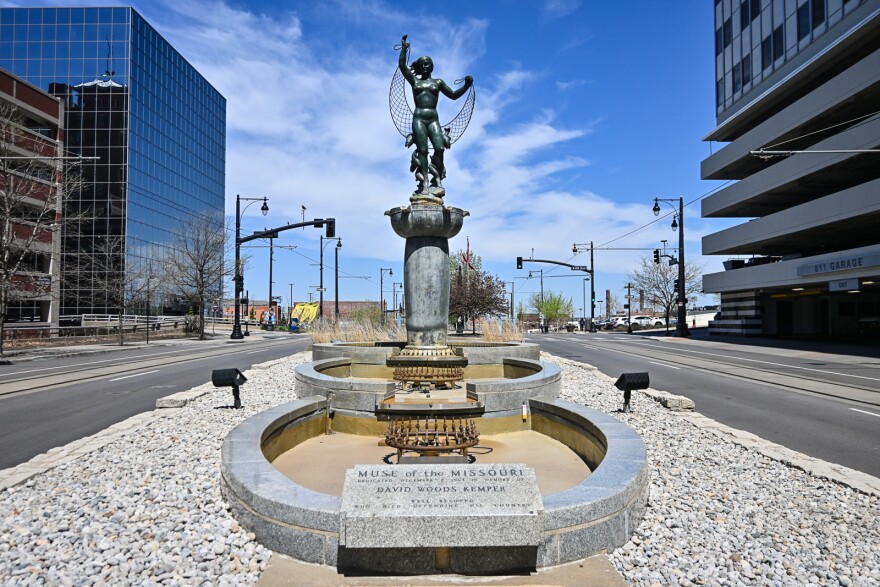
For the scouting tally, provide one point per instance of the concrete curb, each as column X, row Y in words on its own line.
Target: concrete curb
column 73, row 450
column 62, row 454
column 861, row 482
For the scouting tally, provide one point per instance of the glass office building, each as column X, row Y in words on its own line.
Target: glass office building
column 156, row 127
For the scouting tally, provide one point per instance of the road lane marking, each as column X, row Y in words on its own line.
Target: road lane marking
column 135, row 375
column 864, row 412
column 826, row 372
column 154, row 355
column 664, row 365
column 252, row 352
column 162, row 354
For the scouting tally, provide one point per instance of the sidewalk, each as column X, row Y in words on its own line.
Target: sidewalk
column 782, row 346
column 13, row 356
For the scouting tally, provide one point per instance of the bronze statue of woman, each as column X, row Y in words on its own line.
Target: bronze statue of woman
column 425, row 122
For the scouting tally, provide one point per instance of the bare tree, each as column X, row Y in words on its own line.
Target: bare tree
column 34, row 184
column 196, row 262
column 658, row 282
column 101, row 265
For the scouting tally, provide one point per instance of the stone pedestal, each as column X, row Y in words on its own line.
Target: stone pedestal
column 427, row 229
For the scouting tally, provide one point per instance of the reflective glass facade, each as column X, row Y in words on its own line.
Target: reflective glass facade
column 155, row 124
column 754, row 38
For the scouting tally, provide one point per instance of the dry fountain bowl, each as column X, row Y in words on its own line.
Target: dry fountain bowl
column 597, row 514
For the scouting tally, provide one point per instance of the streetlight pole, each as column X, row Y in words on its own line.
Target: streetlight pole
column 541, row 271
column 336, row 271
column 629, row 326
column 290, row 307
column 321, row 245
column 681, row 329
column 512, row 310
column 382, row 271
column 584, row 307
column 321, row 279
column 274, row 318
column 239, row 277
column 394, row 285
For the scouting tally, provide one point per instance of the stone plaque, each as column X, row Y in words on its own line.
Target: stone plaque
column 394, row 506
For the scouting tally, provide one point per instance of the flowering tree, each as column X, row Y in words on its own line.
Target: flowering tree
column 473, row 293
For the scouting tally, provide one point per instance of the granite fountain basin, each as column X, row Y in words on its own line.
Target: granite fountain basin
column 595, row 514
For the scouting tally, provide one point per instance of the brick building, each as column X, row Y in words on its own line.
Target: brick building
column 30, row 200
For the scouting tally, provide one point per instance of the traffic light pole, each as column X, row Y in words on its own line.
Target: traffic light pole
column 576, row 248
column 330, row 224
column 682, row 326
column 519, row 265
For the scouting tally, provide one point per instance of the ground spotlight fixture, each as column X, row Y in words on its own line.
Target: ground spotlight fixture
column 628, row 382
column 229, row 378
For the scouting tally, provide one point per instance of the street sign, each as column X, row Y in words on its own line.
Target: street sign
column 320, row 289
column 579, row 268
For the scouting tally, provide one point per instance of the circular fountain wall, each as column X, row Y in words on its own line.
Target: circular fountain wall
column 599, row 513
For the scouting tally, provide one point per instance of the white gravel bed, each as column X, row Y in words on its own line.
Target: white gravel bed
column 144, row 510
column 147, row 509
column 721, row 514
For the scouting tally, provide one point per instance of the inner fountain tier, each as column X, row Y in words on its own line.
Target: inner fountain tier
column 427, row 359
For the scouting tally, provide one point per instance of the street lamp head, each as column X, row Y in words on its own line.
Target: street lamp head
column 675, row 223
column 656, row 207
column 390, row 272
column 574, row 249
column 339, row 244
column 265, row 207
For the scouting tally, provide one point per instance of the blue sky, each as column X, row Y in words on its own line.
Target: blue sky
column 585, row 112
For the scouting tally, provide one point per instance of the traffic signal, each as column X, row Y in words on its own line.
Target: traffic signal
column 657, row 256
column 519, row 262
column 331, row 227
column 676, row 286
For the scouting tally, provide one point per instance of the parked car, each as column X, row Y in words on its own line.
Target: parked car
column 615, row 322
column 647, row 321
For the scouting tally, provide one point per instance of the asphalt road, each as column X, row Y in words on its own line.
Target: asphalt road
column 51, row 402
column 821, row 404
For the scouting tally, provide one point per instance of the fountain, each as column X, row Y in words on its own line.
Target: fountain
column 433, row 455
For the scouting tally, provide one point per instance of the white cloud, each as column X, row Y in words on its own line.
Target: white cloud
column 308, row 124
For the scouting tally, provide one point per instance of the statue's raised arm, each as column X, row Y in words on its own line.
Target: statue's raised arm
column 427, row 131
column 401, row 61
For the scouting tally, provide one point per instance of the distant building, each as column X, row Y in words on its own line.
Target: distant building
column 31, row 139
column 156, row 125
column 798, row 76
